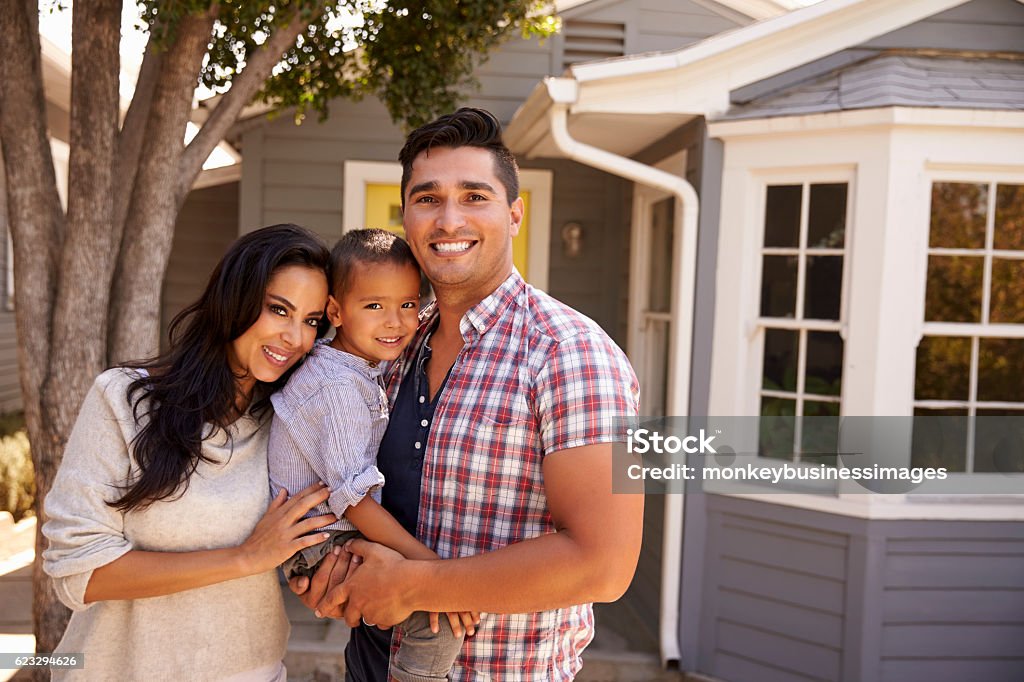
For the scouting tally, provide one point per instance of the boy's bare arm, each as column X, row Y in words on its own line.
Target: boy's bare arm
column 376, row 524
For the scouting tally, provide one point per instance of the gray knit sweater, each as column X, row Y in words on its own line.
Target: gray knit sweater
column 202, row 634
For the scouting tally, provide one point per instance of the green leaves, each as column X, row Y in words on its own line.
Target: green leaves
column 417, row 56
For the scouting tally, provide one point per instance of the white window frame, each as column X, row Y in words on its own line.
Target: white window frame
column 359, row 174
column 893, row 152
column 758, row 325
column 798, row 323
column 972, row 330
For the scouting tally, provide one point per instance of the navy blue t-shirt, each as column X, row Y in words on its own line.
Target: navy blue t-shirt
column 400, row 459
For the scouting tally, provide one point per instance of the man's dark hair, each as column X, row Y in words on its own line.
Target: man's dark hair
column 467, row 127
column 366, row 246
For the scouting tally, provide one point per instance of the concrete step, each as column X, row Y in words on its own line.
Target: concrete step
column 316, row 653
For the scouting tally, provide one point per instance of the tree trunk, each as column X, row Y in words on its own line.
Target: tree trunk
column 79, row 347
column 36, row 222
column 149, row 229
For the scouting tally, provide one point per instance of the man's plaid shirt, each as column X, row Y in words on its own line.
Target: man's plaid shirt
column 534, row 377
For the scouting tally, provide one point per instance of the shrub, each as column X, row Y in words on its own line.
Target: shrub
column 17, row 480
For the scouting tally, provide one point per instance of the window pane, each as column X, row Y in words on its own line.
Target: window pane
column 958, row 215
column 1009, row 232
column 1001, row 370
column 826, row 218
column 940, row 439
column 824, row 363
column 943, row 368
column 999, row 441
column 782, row 216
column 778, row 286
column 819, row 435
column 824, row 287
column 777, row 428
column 780, row 354
column 954, row 289
column 1007, row 301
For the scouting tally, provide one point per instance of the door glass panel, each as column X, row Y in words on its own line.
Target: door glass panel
column 655, row 389
column 659, row 283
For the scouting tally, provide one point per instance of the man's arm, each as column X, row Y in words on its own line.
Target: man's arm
column 591, row 556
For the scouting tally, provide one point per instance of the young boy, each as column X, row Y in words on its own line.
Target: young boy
column 330, row 417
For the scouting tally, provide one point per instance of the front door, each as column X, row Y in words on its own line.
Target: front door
column 653, row 257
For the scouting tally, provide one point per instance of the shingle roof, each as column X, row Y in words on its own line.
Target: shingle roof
column 910, row 80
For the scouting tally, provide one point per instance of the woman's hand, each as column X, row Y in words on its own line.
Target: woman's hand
column 282, row 531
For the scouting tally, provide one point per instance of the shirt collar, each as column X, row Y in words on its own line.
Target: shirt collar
column 340, row 358
column 484, row 314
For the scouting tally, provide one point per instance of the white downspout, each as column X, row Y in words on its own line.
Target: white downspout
column 684, row 268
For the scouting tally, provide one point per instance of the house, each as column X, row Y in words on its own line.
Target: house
column 826, row 218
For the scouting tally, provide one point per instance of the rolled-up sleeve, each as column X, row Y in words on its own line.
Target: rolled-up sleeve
column 333, row 428
column 84, row 532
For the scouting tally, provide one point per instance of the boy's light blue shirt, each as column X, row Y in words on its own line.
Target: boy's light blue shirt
column 328, row 423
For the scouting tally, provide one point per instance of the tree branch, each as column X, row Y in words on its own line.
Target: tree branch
column 149, row 227
column 129, row 143
column 243, row 88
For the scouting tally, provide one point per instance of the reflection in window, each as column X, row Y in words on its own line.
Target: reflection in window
column 970, row 361
column 802, row 261
column 954, row 289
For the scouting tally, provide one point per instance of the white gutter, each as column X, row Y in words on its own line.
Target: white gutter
column 563, row 93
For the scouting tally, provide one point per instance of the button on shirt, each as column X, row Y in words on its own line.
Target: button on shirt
column 328, row 423
column 533, row 377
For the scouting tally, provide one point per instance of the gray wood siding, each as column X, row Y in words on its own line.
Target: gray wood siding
column 595, row 200
column 296, row 173
column 953, row 607
column 791, row 594
column 206, row 226
column 10, row 387
column 776, row 612
column 983, row 25
column 653, row 25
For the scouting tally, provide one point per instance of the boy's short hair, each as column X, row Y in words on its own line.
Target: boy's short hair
column 366, row 246
column 467, row 127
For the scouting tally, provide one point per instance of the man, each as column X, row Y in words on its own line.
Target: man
column 498, row 454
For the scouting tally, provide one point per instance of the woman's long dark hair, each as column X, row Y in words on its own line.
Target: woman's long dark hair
column 192, row 384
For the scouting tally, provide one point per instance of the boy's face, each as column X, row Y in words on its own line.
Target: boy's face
column 377, row 314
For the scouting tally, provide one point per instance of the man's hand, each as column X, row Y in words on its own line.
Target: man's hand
column 334, row 569
column 374, row 593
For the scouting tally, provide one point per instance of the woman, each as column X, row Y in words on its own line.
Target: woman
column 161, row 539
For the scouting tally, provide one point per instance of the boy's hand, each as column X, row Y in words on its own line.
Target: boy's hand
column 467, row 619
column 334, row 568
